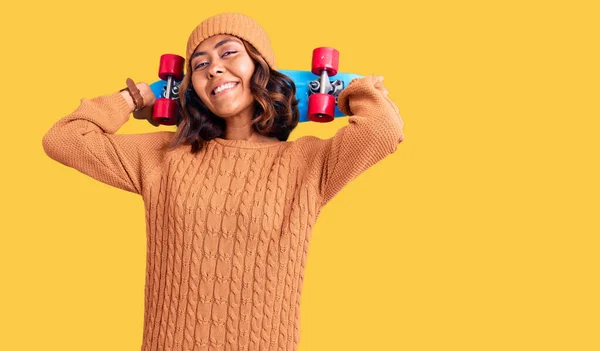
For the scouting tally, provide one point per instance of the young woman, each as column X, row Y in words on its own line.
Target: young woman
column 230, row 203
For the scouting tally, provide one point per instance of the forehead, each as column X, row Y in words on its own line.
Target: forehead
column 211, row 42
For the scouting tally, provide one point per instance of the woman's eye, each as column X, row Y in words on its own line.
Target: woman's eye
column 200, row 65
column 227, row 53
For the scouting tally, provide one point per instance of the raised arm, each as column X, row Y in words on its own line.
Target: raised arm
column 86, row 141
column 374, row 131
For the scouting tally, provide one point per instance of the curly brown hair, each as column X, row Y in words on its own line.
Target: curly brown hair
column 275, row 107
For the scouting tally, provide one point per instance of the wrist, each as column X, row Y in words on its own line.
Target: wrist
column 133, row 95
column 129, row 100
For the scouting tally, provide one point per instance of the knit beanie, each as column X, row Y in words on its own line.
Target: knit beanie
column 237, row 25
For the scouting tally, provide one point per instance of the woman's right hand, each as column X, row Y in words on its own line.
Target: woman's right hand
column 149, row 98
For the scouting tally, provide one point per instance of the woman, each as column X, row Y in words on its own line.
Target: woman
column 230, row 203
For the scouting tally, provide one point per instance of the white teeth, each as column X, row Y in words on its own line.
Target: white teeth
column 223, row 87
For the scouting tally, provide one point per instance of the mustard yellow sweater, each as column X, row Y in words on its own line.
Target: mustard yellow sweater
column 228, row 229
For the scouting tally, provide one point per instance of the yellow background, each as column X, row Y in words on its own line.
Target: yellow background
column 479, row 233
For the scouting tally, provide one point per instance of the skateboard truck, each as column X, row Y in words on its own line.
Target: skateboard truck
column 173, row 91
column 321, row 101
column 333, row 88
column 165, row 108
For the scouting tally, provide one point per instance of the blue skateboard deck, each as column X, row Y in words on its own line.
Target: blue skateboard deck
column 302, row 79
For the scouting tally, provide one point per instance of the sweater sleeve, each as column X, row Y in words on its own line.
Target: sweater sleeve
column 86, row 141
column 374, row 131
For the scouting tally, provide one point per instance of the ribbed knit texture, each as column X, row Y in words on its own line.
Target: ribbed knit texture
column 235, row 24
column 228, row 229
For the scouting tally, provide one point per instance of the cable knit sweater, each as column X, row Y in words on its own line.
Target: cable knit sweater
column 228, row 228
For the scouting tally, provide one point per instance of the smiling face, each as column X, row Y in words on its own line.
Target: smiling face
column 221, row 74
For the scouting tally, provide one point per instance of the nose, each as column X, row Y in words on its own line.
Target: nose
column 215, row 69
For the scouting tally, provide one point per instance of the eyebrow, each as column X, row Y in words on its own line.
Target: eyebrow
column 221, row 43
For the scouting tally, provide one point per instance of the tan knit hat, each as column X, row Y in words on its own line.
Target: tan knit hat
column 237, row 25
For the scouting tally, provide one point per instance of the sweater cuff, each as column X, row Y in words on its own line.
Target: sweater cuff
column 362, row 85
column 120, row 103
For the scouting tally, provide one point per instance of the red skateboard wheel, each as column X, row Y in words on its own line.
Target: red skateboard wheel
column 325, row 59
column 171, row 65
column 321, row 107
column 165, row 111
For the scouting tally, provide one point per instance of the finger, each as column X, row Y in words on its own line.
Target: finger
column 381, row 88
column 147, row 93
column 379, row 82
column 144, row 113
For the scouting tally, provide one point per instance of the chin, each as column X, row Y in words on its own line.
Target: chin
column 225, row 115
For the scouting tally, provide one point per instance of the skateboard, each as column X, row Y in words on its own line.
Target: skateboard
column 316, row 92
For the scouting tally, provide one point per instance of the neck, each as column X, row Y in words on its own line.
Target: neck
column 239, row 127
column 239, row 132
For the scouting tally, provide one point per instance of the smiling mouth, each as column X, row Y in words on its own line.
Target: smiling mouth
column 225, row 88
